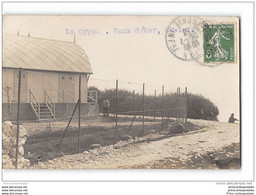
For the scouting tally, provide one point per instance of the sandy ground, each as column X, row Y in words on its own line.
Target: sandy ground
column 215, row 146
column 95, row 121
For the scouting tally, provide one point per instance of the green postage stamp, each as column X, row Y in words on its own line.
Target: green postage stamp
column 219, row 43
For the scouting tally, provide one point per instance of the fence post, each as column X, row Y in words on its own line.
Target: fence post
column 44, row 97
column 58, row 146
column 39, row 110
column 186, row 99
column 179, row 105
column 29, row 96
column 18, row 122
column 63, row 95
column 8, row 100
column 97, row 96
column 143, row 121
column 116, row 109
column 162, row 107
column 177, row 117
column 79, row 112
column 154, row 105
column 54, row 110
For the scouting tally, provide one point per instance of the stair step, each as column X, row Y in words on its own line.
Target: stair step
column 46, row 117
column 45, row 113
column 43, row 109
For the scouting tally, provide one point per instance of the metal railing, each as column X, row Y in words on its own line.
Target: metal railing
column 34, row 103
column 92, row 96
column 49, row 103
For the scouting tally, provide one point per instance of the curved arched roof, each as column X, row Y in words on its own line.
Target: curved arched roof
column 44, row 54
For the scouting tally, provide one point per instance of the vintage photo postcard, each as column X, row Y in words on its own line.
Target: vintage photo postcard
column 120, row 92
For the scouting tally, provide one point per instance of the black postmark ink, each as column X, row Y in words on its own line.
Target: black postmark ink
column 184, row 37
column 188, row 38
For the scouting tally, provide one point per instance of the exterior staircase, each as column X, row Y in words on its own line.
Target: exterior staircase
column 42, row 110
column 45, row 113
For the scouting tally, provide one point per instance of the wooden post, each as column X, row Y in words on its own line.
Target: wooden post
column 143, row 121
column 163, row 107
column 116, row 109
column 79, row 113
column 18, row 122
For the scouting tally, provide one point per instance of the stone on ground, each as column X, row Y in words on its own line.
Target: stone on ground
column 93, row 146
column 126, row 137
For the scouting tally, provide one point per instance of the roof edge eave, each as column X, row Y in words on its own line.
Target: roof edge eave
column 45, row 70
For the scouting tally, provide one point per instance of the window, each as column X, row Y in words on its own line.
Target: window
column 63, row 77
column 70, row 78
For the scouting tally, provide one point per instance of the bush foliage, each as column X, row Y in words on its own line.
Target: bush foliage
column 196, row 106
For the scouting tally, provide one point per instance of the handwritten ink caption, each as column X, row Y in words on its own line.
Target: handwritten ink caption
column 115, row 31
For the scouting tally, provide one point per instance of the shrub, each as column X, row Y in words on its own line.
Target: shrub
column 196, row 106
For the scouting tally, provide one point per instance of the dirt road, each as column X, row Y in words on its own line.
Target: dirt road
column 216, row 145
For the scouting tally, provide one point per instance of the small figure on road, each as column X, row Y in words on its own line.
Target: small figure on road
column 106, row 106
column 232, row 119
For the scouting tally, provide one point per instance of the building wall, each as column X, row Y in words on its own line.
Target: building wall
column 69, row 88
column 7, row 82
column 38, row 81
column 65, row 110
column 36, row 84
column 51, row 85
column 84, row 88
column 62, row 110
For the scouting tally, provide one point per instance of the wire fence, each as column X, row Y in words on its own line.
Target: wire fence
column 72, row 119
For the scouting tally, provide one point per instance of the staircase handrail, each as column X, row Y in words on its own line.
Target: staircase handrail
column 90, row 96
column 33, row 101
column 49, row 103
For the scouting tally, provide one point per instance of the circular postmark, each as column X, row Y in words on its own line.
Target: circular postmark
column 207, row 42
column 184, row 38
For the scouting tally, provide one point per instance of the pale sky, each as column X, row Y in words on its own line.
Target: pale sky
column 135, row 58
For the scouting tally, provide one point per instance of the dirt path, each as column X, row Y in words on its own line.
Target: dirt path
column 195, row 149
